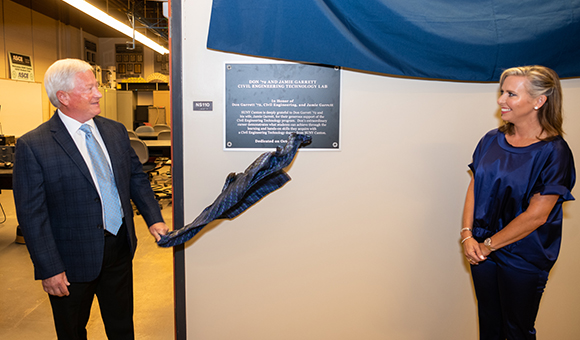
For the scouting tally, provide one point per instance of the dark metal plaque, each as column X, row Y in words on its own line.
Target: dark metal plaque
column 267, row 102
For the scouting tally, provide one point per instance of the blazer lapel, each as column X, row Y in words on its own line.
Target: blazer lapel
column 63, row 138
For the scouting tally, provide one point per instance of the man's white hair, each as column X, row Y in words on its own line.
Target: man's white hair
column 60, row 76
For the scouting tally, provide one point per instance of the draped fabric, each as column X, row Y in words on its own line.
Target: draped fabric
column 435, row 39
column 240, row 191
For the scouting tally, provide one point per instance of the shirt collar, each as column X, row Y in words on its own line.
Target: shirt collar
column 73, row 125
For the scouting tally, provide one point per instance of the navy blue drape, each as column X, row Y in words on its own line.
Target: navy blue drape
column 438, row 39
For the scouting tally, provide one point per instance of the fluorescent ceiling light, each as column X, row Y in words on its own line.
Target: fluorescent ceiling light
column 114, row 23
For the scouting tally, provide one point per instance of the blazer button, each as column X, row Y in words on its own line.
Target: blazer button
column 97, row 199
column 100, row 226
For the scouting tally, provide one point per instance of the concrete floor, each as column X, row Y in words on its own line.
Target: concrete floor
column 25, row 311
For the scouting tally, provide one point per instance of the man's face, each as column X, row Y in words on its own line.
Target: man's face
column 82, row 102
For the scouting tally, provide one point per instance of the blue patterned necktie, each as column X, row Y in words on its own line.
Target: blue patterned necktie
column 109, row 194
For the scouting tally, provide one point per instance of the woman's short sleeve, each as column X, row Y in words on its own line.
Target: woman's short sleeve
column 481, row 147
column 558, row 174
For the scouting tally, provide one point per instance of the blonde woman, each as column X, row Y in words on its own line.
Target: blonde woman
column 512, row 220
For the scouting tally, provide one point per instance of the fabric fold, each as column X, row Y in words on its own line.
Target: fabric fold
column 440, row 39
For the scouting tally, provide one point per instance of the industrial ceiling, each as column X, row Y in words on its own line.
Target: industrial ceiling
column 147, row 14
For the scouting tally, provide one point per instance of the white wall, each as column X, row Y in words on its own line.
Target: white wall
column 20, row 106
column 362, row 243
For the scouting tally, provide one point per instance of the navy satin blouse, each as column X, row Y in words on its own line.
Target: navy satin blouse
column 506, row 178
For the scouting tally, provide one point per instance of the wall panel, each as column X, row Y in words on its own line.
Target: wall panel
column 45, row 53
column 3, row 53
column 17, row 30
column 21, row 106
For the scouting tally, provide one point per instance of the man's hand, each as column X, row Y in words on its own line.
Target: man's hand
column 158, row 229
column 56, row 285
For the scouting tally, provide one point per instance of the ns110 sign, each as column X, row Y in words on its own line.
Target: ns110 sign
column 203, row 106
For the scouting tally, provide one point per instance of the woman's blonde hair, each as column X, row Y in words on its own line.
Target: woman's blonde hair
column 541, row 81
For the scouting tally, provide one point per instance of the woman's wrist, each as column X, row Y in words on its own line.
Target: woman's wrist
column 464, row 232
column 488, row 244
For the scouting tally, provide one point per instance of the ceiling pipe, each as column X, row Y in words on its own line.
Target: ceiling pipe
column 125, row 6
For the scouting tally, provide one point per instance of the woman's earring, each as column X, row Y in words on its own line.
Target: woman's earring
column 535, row 107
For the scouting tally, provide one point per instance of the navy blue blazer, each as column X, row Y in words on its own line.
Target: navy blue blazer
column 57, row 203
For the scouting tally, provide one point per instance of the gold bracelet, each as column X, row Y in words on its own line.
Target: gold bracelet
column 467, row 238
column 465, row 229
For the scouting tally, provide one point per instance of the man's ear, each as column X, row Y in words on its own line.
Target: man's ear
column 63, row 97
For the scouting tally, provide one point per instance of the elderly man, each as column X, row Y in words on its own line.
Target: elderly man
column 74, row 179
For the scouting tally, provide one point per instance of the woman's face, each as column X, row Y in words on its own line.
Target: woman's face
column 517, row 106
